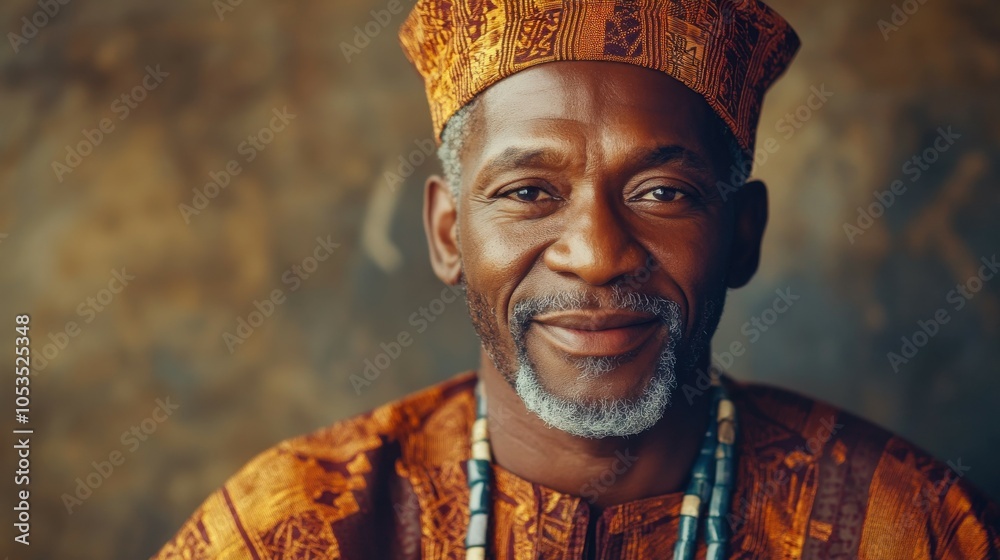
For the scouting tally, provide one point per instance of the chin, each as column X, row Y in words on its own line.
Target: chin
column 597, row 400
column 586, row 379
column 594, row 379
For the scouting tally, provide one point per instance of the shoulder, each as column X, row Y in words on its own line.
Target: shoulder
column 874, row 493
column 308, row 484
column 806, row 428
column 921, row 505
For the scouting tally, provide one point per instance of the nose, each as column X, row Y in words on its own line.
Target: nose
column 596, row 244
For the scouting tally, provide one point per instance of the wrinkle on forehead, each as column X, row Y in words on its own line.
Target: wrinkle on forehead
column 600, row 108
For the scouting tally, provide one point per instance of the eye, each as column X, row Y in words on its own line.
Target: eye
column 527, row 194
column 664, row 194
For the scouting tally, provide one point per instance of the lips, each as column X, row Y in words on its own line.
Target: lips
column 597, row 333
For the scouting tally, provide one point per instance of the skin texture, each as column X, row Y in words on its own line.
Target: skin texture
column 561, row 192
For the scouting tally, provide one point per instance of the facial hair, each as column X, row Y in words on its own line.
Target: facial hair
column 617, row 417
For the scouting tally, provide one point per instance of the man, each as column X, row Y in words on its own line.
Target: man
column 588, row 211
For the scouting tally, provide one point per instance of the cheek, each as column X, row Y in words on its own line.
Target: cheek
column 495, row 262
column 698, row 256
column 497, row 256
column 694, row 256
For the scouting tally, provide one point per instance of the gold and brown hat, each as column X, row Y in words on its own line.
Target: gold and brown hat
column 728, row 51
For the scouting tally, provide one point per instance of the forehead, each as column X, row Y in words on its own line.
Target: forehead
column 605, row 106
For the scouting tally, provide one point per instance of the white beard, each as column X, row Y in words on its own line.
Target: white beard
column 608, row 417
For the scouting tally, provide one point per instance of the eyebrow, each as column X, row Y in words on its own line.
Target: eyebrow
column 515, row 157
column 671, row 155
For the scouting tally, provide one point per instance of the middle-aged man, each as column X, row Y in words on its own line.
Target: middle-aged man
column 589, row 210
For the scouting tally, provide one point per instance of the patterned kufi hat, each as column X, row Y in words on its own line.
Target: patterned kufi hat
column 728, row 51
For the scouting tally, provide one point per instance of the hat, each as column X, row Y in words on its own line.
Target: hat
column 728, row 51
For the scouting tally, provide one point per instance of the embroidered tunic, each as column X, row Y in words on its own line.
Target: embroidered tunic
column 812, row 482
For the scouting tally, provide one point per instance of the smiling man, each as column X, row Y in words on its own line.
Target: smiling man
column 587, row 210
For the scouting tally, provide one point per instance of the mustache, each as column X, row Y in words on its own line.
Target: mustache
column 620, row 299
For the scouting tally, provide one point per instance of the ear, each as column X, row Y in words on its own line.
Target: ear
column 441, row 227
column 751, row 220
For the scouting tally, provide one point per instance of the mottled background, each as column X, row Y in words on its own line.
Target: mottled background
column 62, row 233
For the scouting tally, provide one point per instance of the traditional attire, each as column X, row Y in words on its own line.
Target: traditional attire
column 812, row 482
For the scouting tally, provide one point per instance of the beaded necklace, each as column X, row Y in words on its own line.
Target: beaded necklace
column 711, row 482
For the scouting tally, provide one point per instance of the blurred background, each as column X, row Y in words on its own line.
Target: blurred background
column 166, row 167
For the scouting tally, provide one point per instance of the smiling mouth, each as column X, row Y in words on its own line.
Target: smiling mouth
column 597, row 334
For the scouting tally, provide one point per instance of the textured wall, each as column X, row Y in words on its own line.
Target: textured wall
column 72, row 223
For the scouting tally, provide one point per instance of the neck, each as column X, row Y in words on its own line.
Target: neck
column 606, row 471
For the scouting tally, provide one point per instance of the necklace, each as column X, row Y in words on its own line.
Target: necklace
column 711, row 482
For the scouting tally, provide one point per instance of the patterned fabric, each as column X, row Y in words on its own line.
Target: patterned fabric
column 729, row 51
column 811, row 482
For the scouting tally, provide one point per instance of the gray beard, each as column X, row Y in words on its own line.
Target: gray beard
column 606, row 417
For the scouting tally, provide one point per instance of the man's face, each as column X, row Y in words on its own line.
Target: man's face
column 594, row 244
